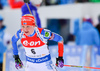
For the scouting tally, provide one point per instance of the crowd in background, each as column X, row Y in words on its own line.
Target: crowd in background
column 88, row 33
column 85, row 32
column 19, row 3
column 5, row 38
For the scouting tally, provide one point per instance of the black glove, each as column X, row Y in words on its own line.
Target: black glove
column 18, row 62
column 59, row 62
column 26, row 1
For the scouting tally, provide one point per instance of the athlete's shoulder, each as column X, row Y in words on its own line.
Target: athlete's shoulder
column 17, row 35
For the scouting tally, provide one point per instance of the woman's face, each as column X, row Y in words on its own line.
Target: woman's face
column 27, row 29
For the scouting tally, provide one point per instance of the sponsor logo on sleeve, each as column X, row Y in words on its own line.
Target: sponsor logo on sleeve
column 47, row 34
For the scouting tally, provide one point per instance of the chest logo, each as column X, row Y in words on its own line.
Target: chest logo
column 32, row 43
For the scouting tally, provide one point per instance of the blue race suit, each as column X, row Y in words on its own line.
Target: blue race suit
column 37, row 53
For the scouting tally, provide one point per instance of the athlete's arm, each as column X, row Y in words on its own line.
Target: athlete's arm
column 18, row 62
column 47, row 34
column 14, row 42
column 59, row 39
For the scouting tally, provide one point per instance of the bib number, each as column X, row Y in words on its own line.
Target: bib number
column 33, row 51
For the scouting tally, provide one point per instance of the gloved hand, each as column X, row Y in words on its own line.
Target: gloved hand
column 18, row 62
column 59, row 62
column 26, row 1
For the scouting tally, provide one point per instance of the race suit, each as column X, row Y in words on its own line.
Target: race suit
column 37, row 53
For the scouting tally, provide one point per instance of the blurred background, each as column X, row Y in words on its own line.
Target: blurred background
column 77, row 21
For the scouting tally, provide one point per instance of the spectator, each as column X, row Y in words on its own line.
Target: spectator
column 4, row 41
column 4, row 2
column 87, row 35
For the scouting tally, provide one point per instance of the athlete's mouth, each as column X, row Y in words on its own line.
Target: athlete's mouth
column 26, row 32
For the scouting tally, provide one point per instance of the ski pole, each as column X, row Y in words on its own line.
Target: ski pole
column 82, row 67
column 28, row 8
column 27, row 1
